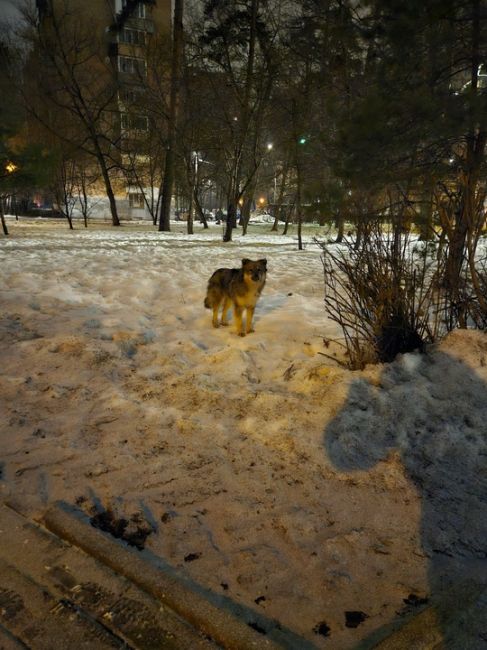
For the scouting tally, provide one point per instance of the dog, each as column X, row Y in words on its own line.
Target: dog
column 240, row 288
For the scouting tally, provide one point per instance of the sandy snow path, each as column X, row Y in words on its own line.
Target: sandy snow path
column 258, row 467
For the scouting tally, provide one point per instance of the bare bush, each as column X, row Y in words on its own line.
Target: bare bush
column 385, row 295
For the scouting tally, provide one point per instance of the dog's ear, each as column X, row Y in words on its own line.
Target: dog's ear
column 245, row 261
column 264, row 262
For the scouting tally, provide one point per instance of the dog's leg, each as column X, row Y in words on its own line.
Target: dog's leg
column 216, row 307
column 238, row 319
column 250, row 315
column 226, row 306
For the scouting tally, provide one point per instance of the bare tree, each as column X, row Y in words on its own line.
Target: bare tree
column 236, row 55
column 75, row 94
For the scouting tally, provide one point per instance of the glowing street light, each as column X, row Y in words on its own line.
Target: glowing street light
column 10, row 167
column 269, row 146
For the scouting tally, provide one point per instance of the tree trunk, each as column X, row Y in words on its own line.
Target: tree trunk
column 298, row 198
column 340, row 225
column 231, row 220
column 167, row 186
column 282, row 189
column 288, row 218
column 84, row 207
column 360, row 233
column 2, row 217
column 158, row 206
column 190, row 229
column 67, row 210
column 465, row 221
column 108, row 185
column 298, row 212
column 111, row 198
column 245, row 215
column 177, row 58
column 247, row 204
column 199, row 210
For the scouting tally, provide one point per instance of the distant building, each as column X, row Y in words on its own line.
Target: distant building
column 124, row 31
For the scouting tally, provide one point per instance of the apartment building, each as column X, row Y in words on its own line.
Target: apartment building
column 124, row 33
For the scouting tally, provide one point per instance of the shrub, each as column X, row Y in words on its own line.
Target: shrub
column 385, row 295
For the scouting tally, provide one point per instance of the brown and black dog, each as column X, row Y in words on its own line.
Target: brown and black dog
column 240, row 288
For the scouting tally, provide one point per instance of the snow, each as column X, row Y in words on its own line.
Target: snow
column 293, row 487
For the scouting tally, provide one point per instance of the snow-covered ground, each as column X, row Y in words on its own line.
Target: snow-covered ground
column 324, row 499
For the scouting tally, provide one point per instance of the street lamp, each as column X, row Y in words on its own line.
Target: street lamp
column 10, row 167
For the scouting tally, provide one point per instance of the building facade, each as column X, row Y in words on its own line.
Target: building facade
column 125, row 38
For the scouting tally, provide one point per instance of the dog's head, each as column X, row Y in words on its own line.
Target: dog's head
column 254, row 271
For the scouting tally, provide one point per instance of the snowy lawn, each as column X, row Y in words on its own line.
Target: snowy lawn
column 327, row 500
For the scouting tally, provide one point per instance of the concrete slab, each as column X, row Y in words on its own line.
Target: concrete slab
column 220, row 624
column 53, row 595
